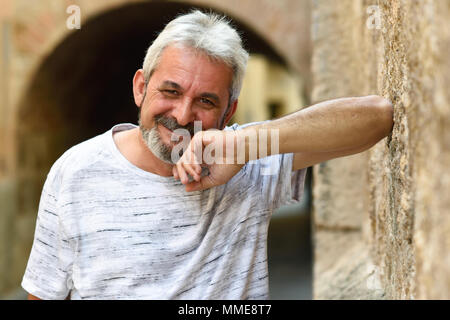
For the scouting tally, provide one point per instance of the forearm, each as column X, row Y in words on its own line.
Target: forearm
column 333, row 125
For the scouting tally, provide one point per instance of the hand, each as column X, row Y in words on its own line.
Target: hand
column 213, row 149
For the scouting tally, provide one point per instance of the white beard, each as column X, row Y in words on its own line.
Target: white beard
column 153, row 141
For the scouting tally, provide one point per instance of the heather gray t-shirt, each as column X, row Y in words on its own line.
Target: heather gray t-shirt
column 109, row 230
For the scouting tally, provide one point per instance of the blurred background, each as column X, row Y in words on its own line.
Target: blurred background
column 374, row 225
column 60, row 86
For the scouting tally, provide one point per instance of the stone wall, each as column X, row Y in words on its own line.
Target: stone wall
column 381, row 218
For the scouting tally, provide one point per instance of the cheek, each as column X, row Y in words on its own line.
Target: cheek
column 209, row 119
column 155, row 107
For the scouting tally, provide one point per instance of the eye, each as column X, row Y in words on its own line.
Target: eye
column 207, row 102
column 169, row 92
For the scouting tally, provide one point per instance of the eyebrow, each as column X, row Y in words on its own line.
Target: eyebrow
column 171, row 84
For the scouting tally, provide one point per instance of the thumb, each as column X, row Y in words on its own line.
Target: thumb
column 205, row 183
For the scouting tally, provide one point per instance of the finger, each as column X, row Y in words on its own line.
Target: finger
column 182, row 173
column 192, row 171
column 208, row 138
column 175, row 172
column 191, row 159
column 196, row 150
column 204, row 183
column 191, row 164
column 198, row 168
column 194, row 186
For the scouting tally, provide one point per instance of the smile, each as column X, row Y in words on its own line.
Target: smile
column 165, row 128
column 170, row 134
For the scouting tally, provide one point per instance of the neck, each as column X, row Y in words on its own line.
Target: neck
column 132, row 146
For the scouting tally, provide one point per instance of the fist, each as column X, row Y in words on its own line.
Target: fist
column 212, row 152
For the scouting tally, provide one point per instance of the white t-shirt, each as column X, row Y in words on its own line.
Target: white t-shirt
column 109, row 230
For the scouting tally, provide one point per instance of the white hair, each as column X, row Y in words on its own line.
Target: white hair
column 209, row 33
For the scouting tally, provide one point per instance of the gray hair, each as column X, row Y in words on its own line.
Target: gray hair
column 209, row 33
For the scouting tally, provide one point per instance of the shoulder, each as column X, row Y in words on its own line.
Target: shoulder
column 75, row 159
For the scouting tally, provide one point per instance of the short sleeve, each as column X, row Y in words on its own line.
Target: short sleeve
column 48, row 272
column 276, row 181
column 273, row 176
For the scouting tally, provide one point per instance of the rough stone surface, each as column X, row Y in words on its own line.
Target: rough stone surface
column 406, row 220
column 338, row 192
column 352, row 275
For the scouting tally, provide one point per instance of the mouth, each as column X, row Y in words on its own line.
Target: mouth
column 165, row 128
column 164, row 131
column 168, row 136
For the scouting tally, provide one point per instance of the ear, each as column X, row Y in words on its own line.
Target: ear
column 139, row 87
column 229, row 113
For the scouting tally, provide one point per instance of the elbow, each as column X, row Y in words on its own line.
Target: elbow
column 384, row 114
column 387, row 116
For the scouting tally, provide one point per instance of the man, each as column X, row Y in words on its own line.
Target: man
column 122, row 216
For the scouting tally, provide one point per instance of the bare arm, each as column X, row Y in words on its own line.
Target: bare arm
column 333, row 129
column 31, row 297
column 327, row 130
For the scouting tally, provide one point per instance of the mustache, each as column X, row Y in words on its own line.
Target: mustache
column 172, row 124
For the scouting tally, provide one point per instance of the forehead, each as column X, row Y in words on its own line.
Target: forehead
column 193, row 70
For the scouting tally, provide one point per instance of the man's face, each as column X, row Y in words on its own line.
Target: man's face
column 186, row 86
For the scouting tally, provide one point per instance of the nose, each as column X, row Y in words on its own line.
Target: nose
column 183, row 111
